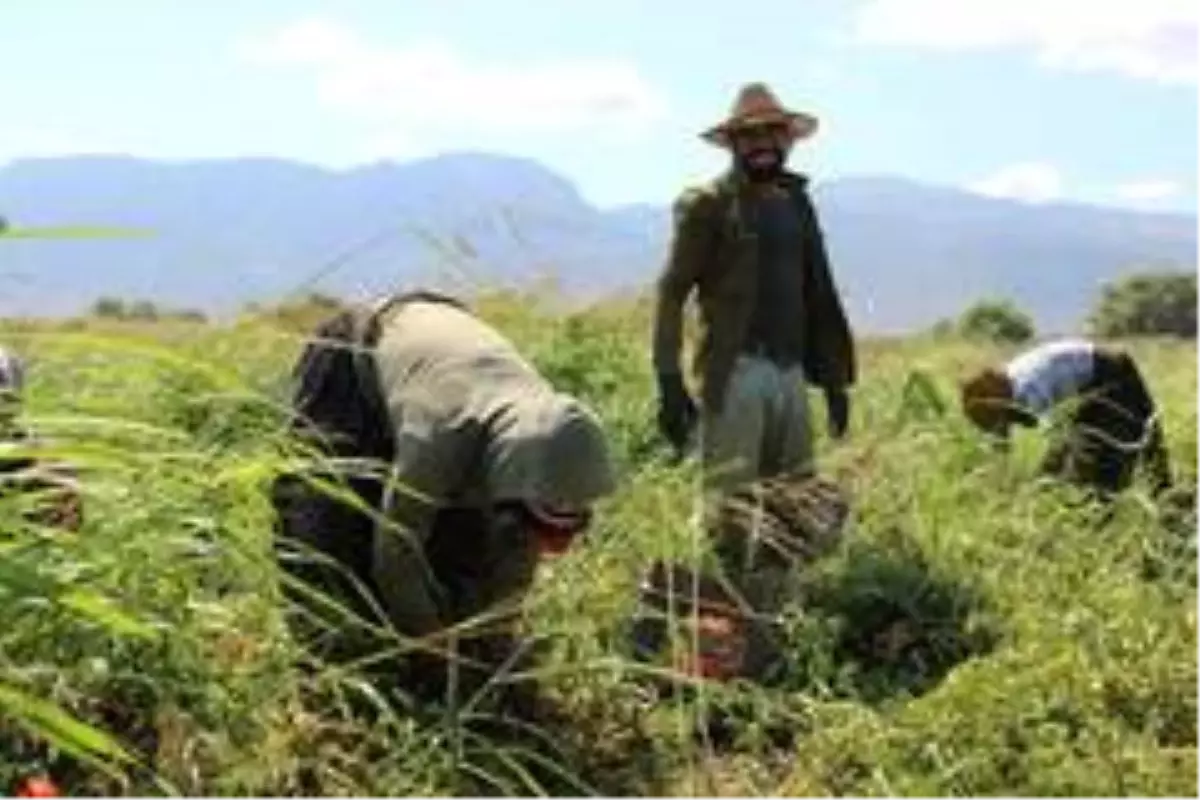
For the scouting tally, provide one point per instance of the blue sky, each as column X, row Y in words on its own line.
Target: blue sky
column 1037, row 99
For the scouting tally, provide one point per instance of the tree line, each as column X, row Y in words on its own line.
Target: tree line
column 1152, row 303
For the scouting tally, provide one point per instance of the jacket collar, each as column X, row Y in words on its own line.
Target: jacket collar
column 734, row 181
column 734, row 186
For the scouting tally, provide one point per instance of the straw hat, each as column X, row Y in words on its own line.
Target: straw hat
column 756, row 104
column 986, row 398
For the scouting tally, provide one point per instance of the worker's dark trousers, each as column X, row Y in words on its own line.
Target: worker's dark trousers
column 1112, row 431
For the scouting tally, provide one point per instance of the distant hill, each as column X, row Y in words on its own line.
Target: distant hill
column 232, row 231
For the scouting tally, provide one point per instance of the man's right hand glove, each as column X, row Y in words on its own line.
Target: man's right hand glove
column 838, row 404
column 676, row 409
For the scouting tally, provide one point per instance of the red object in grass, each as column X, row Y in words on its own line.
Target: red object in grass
column 722, row 649
column 554, row 529
column 552, row 542
column 38, row 786
column 710, row 667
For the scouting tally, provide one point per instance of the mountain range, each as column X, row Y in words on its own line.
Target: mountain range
column 227, row 232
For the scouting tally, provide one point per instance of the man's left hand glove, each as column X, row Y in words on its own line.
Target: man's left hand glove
column 838, row 404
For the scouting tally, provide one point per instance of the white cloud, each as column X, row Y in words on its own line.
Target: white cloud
column 387, row 146
column 17, row 142
column 1031, row 182
column 429, row 85
column 1148, row 39
column 312, row 40
column 1148, row 191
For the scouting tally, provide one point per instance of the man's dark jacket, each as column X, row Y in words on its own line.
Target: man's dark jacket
column 714, row 250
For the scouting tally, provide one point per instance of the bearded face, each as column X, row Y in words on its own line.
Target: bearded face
column 760, row 151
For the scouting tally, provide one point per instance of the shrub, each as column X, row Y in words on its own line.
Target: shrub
column 143, row 311
column 109, row 308
column 1147, row 304
column 996, row 321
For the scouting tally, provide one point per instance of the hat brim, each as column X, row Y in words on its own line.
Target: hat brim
column 799, row 126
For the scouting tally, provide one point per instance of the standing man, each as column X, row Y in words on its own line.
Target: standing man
column 750, row 246
column 771, row 324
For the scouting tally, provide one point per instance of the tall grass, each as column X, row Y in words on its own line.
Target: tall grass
column 977, row 632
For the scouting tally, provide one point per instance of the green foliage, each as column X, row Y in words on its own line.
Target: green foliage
column 114, row 308
column 977, row 634
column 300, row 314
column 109, row 308
column 76, row 232
column 943, row 329
column 1147, row 304
column 998, row 321
column 143, row 310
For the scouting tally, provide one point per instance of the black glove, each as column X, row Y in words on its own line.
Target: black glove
column 838, row 404
column 676, row 410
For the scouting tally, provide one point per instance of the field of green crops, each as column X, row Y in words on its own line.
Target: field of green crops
column 977, row 633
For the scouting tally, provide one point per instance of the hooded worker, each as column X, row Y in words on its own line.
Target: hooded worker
column 1113, row 426
column 477, row 430
column 489, row 468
